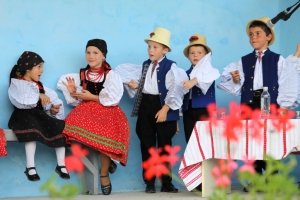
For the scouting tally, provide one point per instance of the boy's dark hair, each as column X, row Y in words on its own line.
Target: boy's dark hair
column 165, row 46
column 198, row 45
column 261, row 25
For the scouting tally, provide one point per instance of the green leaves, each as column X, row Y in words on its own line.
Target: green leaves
column 66, row 191
column 275, row 184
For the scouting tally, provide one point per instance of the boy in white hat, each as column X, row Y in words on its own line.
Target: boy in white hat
column 201, row 85
column 263, row 68
column 159, row 97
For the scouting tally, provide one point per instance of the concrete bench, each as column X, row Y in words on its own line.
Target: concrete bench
column 91, row 172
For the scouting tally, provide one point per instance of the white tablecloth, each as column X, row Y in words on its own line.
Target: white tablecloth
column 206, row 143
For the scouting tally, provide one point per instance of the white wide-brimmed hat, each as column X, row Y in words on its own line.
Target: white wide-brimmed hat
column 160, row 35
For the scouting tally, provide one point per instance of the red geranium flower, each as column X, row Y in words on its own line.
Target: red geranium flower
column 280, row 117
column 155, row 165
column 172, row 157
column 74, row 163
column 232, row 122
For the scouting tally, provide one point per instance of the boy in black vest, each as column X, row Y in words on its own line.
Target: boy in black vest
column 157, row 112
column 262, row 68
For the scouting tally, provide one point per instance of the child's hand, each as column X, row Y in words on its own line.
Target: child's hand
column 85, row 95
column 189, row 84
column 44, row 99
column 55, row 109
column 235, row 76
column 70, row 85
column 132, row 84
column 297, row 51
column 161, row 115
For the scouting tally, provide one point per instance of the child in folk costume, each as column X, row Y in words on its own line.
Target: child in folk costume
column 38, row 113
column 201, row 85
column 97, row 120
column 262, row 68
column 159, row 97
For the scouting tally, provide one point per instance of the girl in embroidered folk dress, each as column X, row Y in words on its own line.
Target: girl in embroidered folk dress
column 38, row 113
column 97, row 121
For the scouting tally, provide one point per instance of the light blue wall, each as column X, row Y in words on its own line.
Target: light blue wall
column 59, row 29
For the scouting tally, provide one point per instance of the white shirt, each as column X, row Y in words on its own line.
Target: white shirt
column 25, row 95
column 288, row 81
column 150, row 86
column 110, row 95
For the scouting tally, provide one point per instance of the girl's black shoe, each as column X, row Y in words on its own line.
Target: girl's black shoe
column 112, row 167
column 34, row 177
column 106, row 190
column 60, row 173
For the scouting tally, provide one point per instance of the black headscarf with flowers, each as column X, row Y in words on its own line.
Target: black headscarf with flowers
column 26, row 62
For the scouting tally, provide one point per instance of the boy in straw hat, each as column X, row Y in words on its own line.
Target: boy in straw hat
column 159, row 97
column 262, row 68
column 201, row 85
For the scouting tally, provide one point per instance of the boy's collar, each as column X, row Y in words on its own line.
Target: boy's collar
column 161, row 59
column 263, row 51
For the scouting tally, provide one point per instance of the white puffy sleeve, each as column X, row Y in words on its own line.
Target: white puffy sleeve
column 54, row 101
column 129, row 72
column 227, row 83
column 113, row 90
column 60, row 86
column 204, row 73
column 23, row 94
column 289, row 86
column 294, row 61
column 176, row 91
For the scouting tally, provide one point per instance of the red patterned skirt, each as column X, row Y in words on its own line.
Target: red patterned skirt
column 105, row 129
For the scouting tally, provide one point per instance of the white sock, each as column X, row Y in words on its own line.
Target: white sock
column 30, row 152
column 60, row 156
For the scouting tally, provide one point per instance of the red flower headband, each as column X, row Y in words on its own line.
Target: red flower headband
column 151, row 34
column 193, row 38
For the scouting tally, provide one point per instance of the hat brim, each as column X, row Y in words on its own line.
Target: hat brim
column 158, row 41
column 272, row 30
column 186, row 49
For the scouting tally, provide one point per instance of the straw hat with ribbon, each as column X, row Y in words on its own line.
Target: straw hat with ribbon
column 160, row 35
column 264, row 20
column 196, row 39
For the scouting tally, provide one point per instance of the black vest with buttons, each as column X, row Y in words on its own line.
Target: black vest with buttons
column 199, row 100
column 269, row 71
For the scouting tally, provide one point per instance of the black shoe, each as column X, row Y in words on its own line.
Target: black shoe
column 112, row 167
column 150, row 188
column 168, row 187
column 60, row 173
column 34, row 177
column 106, row 190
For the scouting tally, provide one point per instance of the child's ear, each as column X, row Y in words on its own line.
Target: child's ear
column 166, row 50
column 269, row 37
